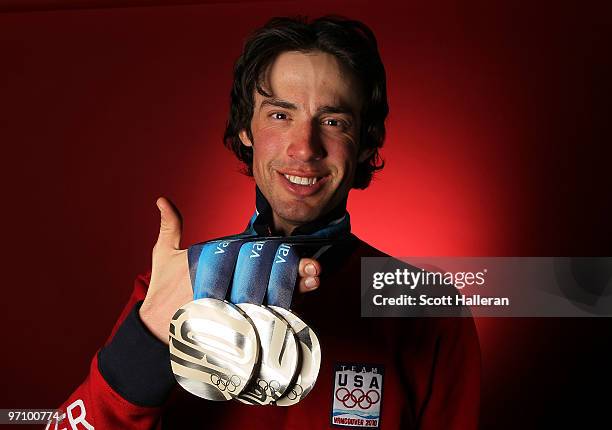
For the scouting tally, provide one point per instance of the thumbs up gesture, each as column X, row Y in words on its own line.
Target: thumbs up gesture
column 170, row 286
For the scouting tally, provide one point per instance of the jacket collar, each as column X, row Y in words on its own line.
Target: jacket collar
column 261, row 223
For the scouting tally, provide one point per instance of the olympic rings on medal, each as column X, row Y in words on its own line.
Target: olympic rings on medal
column 222, row 382
column 271, row 389
column 295, row 392
column 350, row 399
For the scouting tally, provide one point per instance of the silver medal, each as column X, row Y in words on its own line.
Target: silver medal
column 310, row 359
column 214, row 349
column 280, row 355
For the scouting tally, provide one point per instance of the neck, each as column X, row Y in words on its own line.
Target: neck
column 283, row 227
column 269, row 223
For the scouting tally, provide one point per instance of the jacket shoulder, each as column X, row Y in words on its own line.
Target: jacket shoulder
column 364, row 249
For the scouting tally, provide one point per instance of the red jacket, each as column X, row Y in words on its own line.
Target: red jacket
column 430, row 369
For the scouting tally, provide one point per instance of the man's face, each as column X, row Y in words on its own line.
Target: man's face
column 306, row 136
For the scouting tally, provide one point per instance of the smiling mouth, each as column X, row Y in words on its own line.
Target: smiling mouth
column 301, row 180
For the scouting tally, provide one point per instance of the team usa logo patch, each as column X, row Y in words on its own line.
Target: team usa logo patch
column 357, row 396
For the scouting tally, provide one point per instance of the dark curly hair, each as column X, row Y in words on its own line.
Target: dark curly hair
column 352, row 42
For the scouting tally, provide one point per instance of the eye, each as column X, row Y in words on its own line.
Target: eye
column 278, row 115
column 333, row 122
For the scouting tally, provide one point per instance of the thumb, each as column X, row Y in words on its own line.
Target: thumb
column 171, row 225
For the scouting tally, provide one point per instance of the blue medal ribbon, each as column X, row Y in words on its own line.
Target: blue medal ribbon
column 283, row 276
column 253, row 271
column 211, row 266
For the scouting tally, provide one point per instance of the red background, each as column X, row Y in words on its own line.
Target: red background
column 495, row 147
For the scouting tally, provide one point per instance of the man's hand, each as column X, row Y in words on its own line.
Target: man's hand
column 170, row 286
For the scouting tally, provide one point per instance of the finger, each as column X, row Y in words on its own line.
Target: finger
column 309, row 270
column 170, row 226
column 309, row 284
column 309, row 267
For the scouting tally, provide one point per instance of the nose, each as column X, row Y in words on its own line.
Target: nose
column 305, row 144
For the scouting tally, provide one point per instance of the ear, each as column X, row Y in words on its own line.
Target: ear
column 364, row 154
column 244, row 138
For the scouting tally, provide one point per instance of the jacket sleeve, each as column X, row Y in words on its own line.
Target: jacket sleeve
column 129, row 377
column 453, row 400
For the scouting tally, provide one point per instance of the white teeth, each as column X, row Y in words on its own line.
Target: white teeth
column 301, row 180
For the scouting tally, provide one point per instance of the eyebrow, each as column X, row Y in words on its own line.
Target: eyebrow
column 339, row 109
column 273, row 101
column 335, row 109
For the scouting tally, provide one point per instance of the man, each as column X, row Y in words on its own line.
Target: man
column 308, row 106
